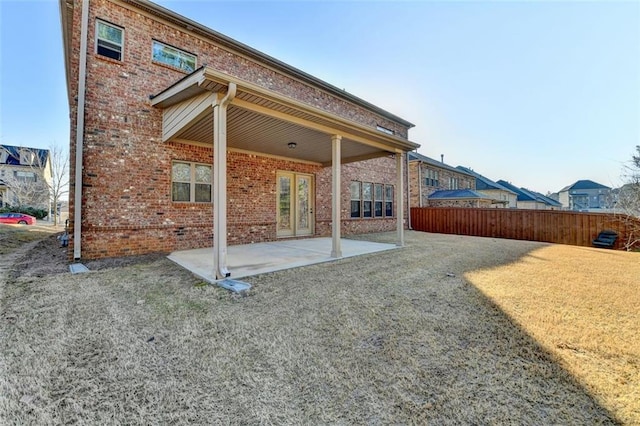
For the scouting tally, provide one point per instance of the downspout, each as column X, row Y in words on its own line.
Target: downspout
column 82, row 75
column 406, row 154
column 220, row 183
column 420, row 183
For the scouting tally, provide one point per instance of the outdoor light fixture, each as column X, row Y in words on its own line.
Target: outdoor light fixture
column 292, row 145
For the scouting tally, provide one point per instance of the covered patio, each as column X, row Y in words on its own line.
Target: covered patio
column 260, row 258
column 210, row 108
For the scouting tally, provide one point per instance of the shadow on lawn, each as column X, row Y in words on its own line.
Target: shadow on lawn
column 542, row 380
column 397, row 337
column 485, row 360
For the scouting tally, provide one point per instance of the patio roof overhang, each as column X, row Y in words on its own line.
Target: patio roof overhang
column 263, row 121
column 214, row 109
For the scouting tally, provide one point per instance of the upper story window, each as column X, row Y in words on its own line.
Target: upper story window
column 109, row 40
column 453, row 183
column 4, row 155
column 25, row 176
column 384, row 130
column 431, row 178
column 27, row 157
column 168, row 55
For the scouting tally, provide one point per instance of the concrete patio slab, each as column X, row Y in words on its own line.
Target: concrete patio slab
column 253, row 259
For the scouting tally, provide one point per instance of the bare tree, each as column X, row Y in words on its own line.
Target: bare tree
column 43, row 183
column 28, row 185
column 27, row 192
column 628, row 205
column 59, row 184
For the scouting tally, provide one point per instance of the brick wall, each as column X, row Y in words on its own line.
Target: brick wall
column 126, row 177
column 135, row 225
column 418, row 171
column 379, row 170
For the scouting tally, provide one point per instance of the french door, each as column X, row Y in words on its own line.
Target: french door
column 294, row 204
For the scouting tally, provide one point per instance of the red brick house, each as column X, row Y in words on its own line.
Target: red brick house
column 184, row 138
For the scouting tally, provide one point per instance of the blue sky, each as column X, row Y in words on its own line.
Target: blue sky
column 540, row 94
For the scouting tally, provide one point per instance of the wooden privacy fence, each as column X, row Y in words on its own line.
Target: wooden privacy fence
column 553, row 226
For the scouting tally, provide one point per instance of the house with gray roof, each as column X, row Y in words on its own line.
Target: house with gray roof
column 25, row 177
column 527, row 199
column 501, row 196
column 427, row 175
column 586, row 195
column 459, row 198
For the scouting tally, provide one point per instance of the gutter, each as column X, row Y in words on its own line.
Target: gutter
column 229, row 43
column 82, row 75
column 420, row 183
column 406, row 156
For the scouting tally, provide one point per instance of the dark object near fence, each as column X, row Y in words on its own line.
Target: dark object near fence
column 64, row 238
column 606, row 239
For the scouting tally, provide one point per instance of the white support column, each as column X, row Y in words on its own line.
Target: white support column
column 400, row 199
column 220, row 183
column 336, row 250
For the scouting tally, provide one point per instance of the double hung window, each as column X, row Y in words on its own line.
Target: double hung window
column 109, row 40
column 378, row 198
column 371, row 200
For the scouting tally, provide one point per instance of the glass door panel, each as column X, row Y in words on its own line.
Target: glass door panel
column 284, row 213
column 295, row 204
column 303, row 200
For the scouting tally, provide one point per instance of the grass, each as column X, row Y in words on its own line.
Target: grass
column 399, row 337
column 583, row 306
column 14, row 236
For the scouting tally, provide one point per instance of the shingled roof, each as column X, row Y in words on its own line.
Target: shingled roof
column 414, row 156
column 584, row 184
column 453, row 194
column 528, row 195
column 14, row 154
column 483, row 182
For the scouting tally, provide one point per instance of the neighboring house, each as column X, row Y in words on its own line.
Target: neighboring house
column 552, row 203
column 527, row 199
column 555, row 196
column 501, row 196
column 25, row 177
column 459, row 198
column 188, row 138
column 427, row 176
column 586, row 195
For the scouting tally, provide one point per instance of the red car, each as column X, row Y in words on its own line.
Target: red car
column 19, row 218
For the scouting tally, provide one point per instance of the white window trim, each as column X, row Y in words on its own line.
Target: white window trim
column 97, row 37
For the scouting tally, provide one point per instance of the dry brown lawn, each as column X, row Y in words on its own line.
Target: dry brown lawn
column 402, row 337
column 14, row 236
column 583, row 306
